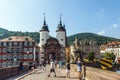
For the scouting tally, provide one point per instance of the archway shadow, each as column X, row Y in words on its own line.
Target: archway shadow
column 65, row 77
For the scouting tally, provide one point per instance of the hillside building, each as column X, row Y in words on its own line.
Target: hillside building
column 111, row 47
column 85, row 47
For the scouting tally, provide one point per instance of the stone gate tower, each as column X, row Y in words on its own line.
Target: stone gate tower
column 51, row 47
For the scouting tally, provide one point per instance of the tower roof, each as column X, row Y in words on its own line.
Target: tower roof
column 60, row 27
column 45, row 26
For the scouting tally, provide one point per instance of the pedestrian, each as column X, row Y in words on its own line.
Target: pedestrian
column 79, row 69
column 20, row 68
column 34, row 65
column 60, row 64
column 68, row 69
column 56, row 63
column 44, row 65
column 30, row 66
column 52, row 68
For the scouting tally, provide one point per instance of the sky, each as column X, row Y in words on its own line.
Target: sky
column 101, row 17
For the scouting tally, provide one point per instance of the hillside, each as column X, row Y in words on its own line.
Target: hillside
column 91, row 36
column 5, row 33
column 35, row 35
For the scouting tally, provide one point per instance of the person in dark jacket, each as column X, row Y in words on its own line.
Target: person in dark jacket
column 30, row 66
column 68, row 69
column 20, row 68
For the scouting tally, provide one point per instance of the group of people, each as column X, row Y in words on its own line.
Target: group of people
column 53, row 65
column 79, row 68
column 43, row 65
column 31, row 67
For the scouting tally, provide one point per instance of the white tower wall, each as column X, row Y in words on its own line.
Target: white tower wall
column 60, row 35
column 44, row 35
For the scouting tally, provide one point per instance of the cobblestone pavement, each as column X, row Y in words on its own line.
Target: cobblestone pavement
column 40, row 74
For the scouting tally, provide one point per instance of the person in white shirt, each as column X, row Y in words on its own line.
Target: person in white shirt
column 52, row 68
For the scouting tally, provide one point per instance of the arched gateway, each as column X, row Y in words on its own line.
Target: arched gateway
column 52, row 49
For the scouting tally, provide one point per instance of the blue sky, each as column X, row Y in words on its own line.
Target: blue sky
column 97, row 16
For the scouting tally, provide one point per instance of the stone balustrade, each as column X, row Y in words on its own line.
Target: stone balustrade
column 98, row 74
column 10, row 71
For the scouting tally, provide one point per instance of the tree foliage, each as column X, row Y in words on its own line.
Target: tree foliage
column 109, row 55
column 91, row 56
column 91, row 36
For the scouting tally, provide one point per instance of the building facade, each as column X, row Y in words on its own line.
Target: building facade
column 84, row 47
column 16, row 49
column 52, row 47
column 112, row 47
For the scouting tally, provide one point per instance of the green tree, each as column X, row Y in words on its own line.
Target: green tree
column 106, row 55
column 109, row 55
column 91, row 56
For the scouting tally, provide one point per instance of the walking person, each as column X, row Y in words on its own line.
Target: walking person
column 20, row 68
column 30, row 66
column 60, row 64
column 52, row 68
column 68, row 69
column 79, row 69
column 56, row 62
column 44, row 65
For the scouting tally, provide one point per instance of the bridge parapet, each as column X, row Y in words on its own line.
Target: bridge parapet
column 92, row 73
column 10, row 71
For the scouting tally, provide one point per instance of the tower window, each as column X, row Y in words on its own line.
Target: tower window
column 41, row 52
column 61, row 39
column 42, row 39
column 42, row 57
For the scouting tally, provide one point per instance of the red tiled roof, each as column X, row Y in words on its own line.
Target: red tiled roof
column 17, row 38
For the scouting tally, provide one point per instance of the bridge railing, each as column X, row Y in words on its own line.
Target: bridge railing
column 11, row 71
column 92, row 73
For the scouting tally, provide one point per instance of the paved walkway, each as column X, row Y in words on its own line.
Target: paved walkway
column 40, row 74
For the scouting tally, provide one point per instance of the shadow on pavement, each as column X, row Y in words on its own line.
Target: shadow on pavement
column 38, row 73
column 73, row 77
column 60, row 76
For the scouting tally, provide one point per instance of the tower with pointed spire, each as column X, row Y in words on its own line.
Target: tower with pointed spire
column 44, row 33
column 61, row 33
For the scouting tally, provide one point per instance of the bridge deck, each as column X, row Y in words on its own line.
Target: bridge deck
column 40, row 74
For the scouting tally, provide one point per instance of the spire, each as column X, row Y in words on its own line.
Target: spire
column 45, row 26
column 60, row 20
column 60, row 27
column 44, row 19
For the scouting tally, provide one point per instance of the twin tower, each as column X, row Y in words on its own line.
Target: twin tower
column 45, row 37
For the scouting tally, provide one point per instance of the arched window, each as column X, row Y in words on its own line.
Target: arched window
column 30, row 56
column 25, row 43
column 31, row 49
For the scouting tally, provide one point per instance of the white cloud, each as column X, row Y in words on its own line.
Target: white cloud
column 101, row 32
column 115, row 25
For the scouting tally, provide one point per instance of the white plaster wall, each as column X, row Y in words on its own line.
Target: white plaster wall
column 43, row 35
column 61, row 35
